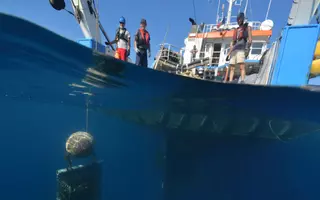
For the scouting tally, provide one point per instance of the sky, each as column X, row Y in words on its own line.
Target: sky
column 161, row 15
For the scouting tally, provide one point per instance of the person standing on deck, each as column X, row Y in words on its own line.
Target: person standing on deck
column 240, row 47
column 193, row 52
column 142, row 45
column 123, row 40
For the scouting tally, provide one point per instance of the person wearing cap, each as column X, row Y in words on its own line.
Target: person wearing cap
column 240, row 46
column 122, row 39
column 142, row 45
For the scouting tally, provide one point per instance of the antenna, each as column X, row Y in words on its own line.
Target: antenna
column 229, row 12
column 217, row 21
column 194, row 10
column 245, row 9
column 268, row 9
column 222, row 11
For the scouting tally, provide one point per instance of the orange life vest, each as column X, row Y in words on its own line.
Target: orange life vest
column 143, row 40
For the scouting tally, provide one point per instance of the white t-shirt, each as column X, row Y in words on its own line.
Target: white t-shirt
column 122, row 43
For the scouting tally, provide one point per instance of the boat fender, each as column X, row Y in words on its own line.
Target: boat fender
column 58, row 4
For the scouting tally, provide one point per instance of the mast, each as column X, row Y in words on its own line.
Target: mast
column 88, row 20
column 87, row 16
column 229, row 12
column 194, row 10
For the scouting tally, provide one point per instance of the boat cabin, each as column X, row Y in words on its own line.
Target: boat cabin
column 206, row 48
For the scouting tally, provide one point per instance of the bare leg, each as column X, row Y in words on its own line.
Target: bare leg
column 231, row 73
column 226, row 76
column 242, row 71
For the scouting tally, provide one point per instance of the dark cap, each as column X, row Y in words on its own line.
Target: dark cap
column 143, row 21
column 240, row 16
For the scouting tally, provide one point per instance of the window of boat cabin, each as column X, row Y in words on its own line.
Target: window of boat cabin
column 216, row 53
column 256, row 48
column 207, row 49
column 203, row 50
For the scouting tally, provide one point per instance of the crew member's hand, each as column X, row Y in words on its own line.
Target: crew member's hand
column 107, row 43
column 137, row 50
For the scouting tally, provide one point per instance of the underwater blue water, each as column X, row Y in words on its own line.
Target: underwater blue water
column 33, row 142
column 142, row 161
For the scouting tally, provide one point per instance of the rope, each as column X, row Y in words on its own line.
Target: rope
column 285, row 129
column 87, row 113
column 68, row 11
column 97, row 23
column 100, row 25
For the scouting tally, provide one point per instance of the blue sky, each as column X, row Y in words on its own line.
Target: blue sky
column 160, row 15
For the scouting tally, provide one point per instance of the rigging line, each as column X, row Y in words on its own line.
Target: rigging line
column 194, row 11
column 100, row 25
column 218, row 14
column 250, row 4
column 68, row 11
column 245, row 8
column 268, row 9
column 162, row 46
column 97, row 21
column 95, row 9
column 74, row 5
column 87, row 111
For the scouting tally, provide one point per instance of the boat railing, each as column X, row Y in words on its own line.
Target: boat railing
column 225, row 52
column 251, row 56
column 169, row 52
column 206, row 28
column 214, row 57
